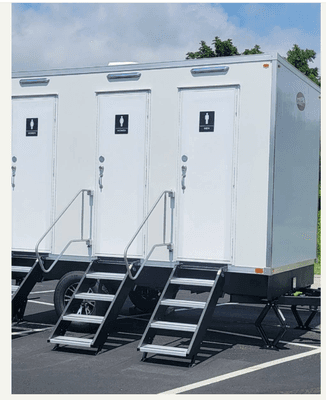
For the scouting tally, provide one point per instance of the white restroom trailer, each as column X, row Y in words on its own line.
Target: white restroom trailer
column 235, row 139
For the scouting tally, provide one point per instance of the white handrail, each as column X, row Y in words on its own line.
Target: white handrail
column 169, row 245
column 88, row 241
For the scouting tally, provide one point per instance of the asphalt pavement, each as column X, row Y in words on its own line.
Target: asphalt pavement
column 232, row 358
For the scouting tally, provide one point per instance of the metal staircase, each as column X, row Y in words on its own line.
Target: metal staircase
column 118, row 284
column 25, row 279
column 166, row 324
column 27, row 276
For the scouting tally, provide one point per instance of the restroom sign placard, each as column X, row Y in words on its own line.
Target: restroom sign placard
column 206, row 121
column 31, row 126
column 121, row 124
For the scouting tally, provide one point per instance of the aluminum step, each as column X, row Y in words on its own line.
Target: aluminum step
column 72, row 341
column 95, row 296
column 106, row 275
column 14, row 288
column 168, row 350
column 192, row 282
column 183, row 303
column 174, row 326
column 16, row 268
column 94, row 319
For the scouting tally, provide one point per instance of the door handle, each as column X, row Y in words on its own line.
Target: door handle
column 13, row 174
column 101, row 168
column 183, row 180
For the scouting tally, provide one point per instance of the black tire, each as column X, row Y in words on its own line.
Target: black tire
column 144, row 298
column 65, row 289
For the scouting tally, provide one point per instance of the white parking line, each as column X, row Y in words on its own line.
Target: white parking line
column 240, row 372
column 43, row 291
column 23, row 332
column 41, row 302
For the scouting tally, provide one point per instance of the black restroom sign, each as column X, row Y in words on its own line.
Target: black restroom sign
column 206, row 121
column 31, row 126
column 121, row 123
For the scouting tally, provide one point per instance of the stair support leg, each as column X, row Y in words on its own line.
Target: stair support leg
column 192, row 361
column 20, row 309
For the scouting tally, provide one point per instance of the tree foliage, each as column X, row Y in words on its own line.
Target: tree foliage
column 296, row 56
column 300, row 58
column 254, row 50
column 221, row 49
column 224, row 49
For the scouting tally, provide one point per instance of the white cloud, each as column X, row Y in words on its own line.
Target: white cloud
column 77, row 35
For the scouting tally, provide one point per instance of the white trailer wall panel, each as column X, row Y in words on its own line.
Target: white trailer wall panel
column 297, row 136
column 253, row 227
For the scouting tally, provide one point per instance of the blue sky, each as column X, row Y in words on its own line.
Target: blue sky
column 64, row 35
column 262, row 17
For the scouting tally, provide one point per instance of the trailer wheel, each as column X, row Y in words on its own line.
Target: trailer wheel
column 144, row 298
column 64, row 291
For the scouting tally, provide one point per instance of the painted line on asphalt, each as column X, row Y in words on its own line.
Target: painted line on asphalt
column 43, row 291
column 240, row 372
column 41, row 302
column 23, row 332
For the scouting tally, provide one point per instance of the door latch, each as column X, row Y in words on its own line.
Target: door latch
column 101, row 168
column 13, row 174
column 183, row 181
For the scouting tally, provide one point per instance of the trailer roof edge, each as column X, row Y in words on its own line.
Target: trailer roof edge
column 147, row 66
column 270, row 56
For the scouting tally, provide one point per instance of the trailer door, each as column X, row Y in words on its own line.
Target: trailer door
column 33, row 128
column 207, row 125
column 121, row 171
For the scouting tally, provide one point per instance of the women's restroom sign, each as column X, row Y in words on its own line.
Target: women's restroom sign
column 31, row 126
column 206, row 121
column 121, row 124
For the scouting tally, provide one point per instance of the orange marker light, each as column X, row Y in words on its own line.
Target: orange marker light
column 266, row 65
column 259, row 270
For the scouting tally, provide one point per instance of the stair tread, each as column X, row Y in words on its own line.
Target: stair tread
column 168, row 350
column 95, row 296
column 183, row 303
column 17, row 268
column 14, row 288
column 71, row 340
column 176, row 326
column 105, row 275
column 192, row 281
column 96, row 319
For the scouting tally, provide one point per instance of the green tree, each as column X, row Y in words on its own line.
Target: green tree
column 300, row 58
column 222, row 49
column 254, row 50
column 204, row 51
column 296, row 56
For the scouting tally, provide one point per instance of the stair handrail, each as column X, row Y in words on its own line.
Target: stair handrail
column 169, row 245
column 88, row 241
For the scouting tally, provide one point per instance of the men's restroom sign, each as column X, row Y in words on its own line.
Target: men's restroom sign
column 121, row 124
column 31, row 126
column 206, row 121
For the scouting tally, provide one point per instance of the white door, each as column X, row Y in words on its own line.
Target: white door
column 207, row 121
column 33, row 127
column 121, row 160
